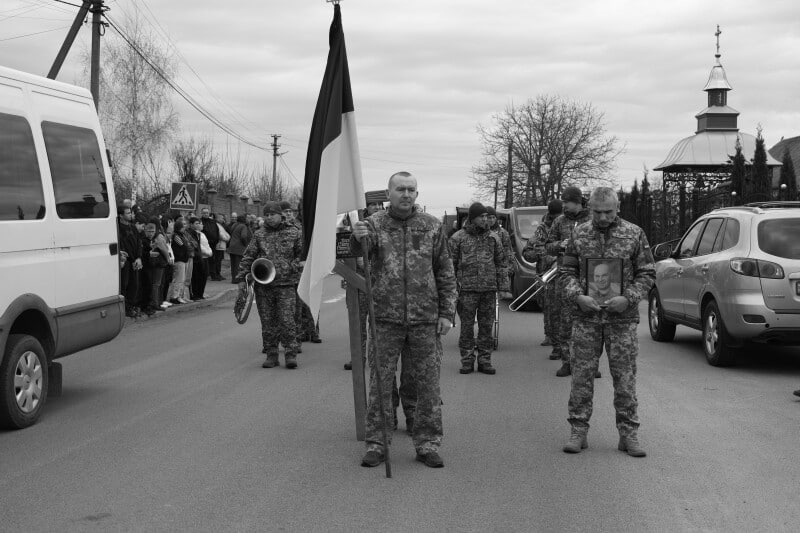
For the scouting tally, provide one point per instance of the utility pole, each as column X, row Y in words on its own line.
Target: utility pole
column 509, row 183
column 97, row 9
column 275, row 154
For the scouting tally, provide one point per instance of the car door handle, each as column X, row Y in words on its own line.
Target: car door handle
column 679, row 273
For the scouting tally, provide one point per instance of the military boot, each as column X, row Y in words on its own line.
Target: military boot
column 546, row 341
column 565, row 370
column 291, row 360
column 797, row 392
column 486, row 368
column 271, row 361
column 631, row 446
column 577, row 442
column 555, row 355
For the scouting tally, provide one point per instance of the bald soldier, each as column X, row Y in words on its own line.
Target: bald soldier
column 414, row 293
column 610, row 323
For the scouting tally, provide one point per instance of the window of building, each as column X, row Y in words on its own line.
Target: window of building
column 21, row 196
column 76, row 166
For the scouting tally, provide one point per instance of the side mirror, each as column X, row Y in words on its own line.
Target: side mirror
column 662, row 251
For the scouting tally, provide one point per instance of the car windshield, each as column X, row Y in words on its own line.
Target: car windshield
column 779, row 237
column 526, row 224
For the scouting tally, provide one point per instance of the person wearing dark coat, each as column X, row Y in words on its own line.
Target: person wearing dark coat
column 240, row 238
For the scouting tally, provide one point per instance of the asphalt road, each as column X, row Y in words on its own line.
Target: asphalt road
column 174, row 426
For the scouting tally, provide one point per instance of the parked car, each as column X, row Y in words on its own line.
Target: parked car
column 735, row 276
column 59, row 261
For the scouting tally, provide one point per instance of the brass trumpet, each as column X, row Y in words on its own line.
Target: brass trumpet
column 262, row 271
column 539, row 283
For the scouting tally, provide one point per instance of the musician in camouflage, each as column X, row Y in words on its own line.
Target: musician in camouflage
column 505, row 238
column 613, row 326
column 574, row 214
column 306, row 327
column 534, row 252
column 479, row 261
column 414, row 293
column 283, row 245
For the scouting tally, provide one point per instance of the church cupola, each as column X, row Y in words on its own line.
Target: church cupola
column 717, row 116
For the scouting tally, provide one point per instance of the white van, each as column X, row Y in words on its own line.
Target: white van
column 59, row 267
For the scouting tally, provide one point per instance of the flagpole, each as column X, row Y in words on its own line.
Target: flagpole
column 373, row 340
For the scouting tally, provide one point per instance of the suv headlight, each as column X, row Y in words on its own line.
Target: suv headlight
column 757, row 268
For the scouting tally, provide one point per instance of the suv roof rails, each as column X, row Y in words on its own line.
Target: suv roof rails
column 777, row 204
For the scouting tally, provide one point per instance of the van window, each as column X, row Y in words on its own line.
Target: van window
column 778, row 237
column 76, row 166
column 21, row 196
column 709, row 236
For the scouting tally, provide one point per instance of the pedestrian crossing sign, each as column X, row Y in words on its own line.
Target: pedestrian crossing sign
column 183, row 196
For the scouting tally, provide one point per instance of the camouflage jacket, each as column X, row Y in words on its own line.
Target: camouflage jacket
column 283, row 246
column 505, row 238
column 561, row 230
column 479, row 259
column 413, row 281
column 622, row 240
column 534, row 250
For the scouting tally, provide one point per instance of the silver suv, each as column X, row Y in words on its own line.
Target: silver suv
column 735, row 275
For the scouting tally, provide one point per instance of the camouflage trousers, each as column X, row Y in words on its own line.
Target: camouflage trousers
column 550, row 309
column 405, row 394
column 472, row 303
column 622, row 347
column 424, row 358
column 561, row 324
column 276, row 307
column 305, row 325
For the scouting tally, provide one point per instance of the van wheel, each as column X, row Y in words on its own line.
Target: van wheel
column 661, row 329
column 716, row 343
column 23, row 382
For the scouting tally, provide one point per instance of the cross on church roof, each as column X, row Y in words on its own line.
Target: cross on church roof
column 717, row 33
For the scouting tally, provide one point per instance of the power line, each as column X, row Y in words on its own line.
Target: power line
column 191, row 101
column 34, row 33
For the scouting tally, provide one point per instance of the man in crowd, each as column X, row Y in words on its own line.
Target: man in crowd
column 414, row 293
column 480, row 264
column 130, row 252
column 535, row 252
column 574, row 214
column 211, row 231
column 612, row 327
column 283, row 245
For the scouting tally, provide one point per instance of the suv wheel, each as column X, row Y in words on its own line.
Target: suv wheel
column 23, row 382
column 661, row 329
column 715, row 337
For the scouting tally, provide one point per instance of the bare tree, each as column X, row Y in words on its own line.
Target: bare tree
column 554, row 142
column 136, row 110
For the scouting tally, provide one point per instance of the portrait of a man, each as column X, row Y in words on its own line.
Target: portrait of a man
column 603, row 279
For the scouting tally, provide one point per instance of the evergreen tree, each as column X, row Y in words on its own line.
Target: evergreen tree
column 737, row 172
column 788, row 176
column 762, row 179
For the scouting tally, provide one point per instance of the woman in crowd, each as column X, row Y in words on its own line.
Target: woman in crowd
column 180, row 249
column 202, row 251
column 156, row 258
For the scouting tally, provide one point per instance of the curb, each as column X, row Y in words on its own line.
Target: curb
column 220, row 297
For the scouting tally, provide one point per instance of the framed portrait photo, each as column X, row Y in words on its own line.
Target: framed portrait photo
column 603, row 279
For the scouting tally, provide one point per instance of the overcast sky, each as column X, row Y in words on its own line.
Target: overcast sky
column 426, row 73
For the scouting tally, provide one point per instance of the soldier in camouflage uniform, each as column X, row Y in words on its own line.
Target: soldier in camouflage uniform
column 414, row 293
column 505, row 238
column 305, row 325
column 573, row 215
column 283, row 245
column 613, row 326
column 534, row 252
column 479, row 261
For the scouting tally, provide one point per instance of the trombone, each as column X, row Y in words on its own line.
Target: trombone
column 539, row 283
column 262, row 271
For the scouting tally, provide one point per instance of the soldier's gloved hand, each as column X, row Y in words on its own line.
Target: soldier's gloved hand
column 617, row 304
column 587, row 304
